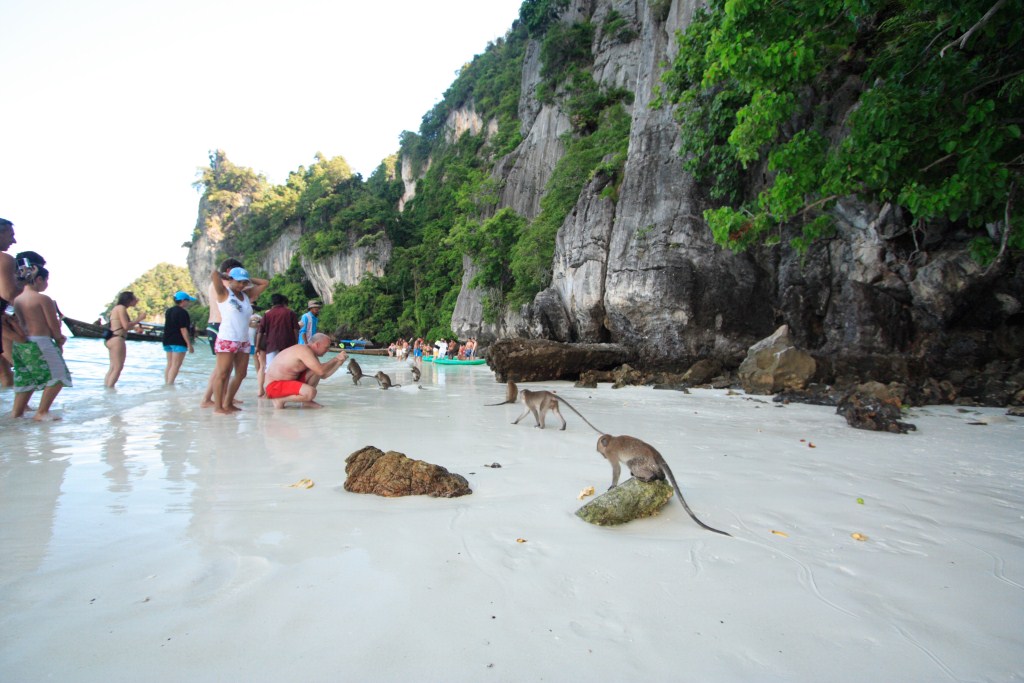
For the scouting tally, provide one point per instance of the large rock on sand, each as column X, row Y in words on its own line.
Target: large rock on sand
column 874, row 406
column 538, row 360
column 631, row 500
column 774, row 364
column 392, row 474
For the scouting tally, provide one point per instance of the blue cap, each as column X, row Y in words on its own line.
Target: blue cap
column 182, row 296
column 239, row 274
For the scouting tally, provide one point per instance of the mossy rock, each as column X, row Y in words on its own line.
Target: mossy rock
column 631, row 500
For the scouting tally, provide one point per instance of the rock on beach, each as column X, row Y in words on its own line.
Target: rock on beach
column 633, row 499
column 393, row 474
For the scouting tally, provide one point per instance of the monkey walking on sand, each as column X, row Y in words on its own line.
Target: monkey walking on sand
column 354, row 370
column 384, row 381
column 644, row 463
column 415, row 373
column 540, row 402
column 511, row 394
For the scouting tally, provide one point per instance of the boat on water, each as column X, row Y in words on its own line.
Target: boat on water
column 361, row 347
column 452, row 361
column 79, row 328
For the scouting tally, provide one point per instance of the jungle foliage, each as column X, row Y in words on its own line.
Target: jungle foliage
column 937, row 88
column 155, row 290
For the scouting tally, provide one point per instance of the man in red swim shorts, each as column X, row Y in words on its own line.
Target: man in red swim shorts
column 295, row 372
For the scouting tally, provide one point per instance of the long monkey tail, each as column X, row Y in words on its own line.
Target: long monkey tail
column 679, row 492
column 562, row 400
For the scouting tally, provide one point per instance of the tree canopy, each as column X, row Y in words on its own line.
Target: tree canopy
column 155, row 290
column 912, row 102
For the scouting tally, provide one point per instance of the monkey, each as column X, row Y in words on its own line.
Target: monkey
column 644, row 463
column 384, row 381
column 540, row 402
column 511, row 394
column 355, row 370
column 415, row 373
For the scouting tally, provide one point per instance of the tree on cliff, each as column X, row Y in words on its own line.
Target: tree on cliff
column 155, row 288
column 916, row 103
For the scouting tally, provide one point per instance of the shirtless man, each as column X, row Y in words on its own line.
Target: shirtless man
column 38, row 363
column 9, row 290
column 295, row 372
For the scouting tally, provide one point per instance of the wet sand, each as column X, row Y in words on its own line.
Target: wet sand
column 145, row 538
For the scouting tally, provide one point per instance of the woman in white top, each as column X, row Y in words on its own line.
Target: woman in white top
column 235, row 292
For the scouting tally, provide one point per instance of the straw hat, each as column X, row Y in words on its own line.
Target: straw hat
column 313, row 303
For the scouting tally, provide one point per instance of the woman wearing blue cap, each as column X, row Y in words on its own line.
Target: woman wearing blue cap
column 177, row 338
column 235, row 291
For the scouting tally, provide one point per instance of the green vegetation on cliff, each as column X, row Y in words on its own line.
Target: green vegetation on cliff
column 937, row 88
column 155, row 290
column 454, row 211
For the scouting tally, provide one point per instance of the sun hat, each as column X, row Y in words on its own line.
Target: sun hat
column 313, row 303
column 183, row 296
column 255, row 318
column 239, row 274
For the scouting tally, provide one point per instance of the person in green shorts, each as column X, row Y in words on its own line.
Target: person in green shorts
column 38, row 362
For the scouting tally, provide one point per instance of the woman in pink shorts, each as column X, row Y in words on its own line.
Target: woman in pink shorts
column 235, row 292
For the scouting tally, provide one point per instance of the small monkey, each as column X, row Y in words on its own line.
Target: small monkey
column 415, row 373
column 511, row 394
column 384, row 381
column 540, row 402
column 354, row 370
column 644, row 463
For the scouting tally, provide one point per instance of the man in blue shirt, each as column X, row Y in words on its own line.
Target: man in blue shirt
column 309, row 321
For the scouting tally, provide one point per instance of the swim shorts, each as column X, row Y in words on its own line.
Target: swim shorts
column 225, row 346
column 284, row 387
column 38, row 364
column 175, row 349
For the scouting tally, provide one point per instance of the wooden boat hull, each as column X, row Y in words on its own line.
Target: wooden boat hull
column 89, row 331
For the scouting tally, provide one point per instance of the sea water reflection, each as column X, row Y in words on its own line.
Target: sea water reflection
column 142, row 457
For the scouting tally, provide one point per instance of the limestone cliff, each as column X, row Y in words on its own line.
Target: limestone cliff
column 644, row 271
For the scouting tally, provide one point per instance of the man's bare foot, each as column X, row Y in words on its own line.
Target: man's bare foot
column 312, row 404
column 278, row 403
column 45, row 417
column 221, row 411
column 207, row 404
column 234, row 408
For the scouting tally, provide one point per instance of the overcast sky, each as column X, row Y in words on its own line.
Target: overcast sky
column 109, row 107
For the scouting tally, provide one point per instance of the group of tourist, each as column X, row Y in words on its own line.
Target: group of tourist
column 442, row 348
column 286, row 348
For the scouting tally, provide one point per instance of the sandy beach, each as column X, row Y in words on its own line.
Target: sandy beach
column 146, row 539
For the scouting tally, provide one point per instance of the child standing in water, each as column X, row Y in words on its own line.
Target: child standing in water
column 38, row 362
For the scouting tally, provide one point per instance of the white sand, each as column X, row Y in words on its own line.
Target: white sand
column 145, row 539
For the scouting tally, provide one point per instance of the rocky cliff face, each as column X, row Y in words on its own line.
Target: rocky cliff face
column 347, row 267
column 875, row 300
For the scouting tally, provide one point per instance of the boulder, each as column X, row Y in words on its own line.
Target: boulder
column 392, row 474
column 874, row 406
column 774, row 364
column 538, row 360
column 703, row 371
column 631, row 500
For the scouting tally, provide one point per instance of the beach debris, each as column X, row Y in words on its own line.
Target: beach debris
column 631, row 500
column 494, row 465
column 810, row 444
column 520, row 540
column 858, row 537
column 860, row 501
column 780, row 533
column 302, row 484
column 393, row 474
column 589, row 491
